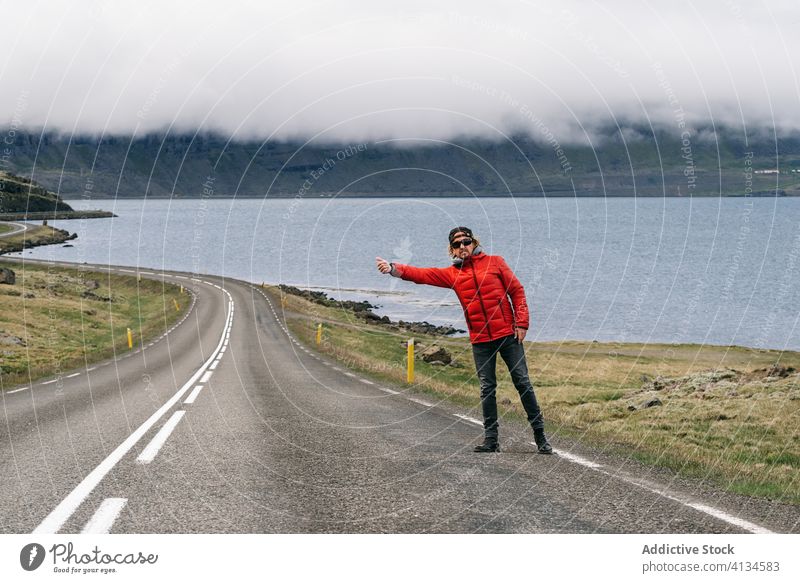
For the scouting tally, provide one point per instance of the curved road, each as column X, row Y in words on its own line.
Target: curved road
column 20, row 227
column 279, row 439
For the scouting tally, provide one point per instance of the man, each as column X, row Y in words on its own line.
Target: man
column 484, row 284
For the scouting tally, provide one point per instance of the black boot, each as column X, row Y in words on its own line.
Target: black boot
column 488, row 445
column 541, row 441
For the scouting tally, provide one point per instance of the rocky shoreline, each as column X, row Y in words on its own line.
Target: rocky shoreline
column 56, row 215
column 35, row 237
column 363, row 310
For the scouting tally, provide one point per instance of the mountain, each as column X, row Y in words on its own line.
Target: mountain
column 19, row 195
column 621, row 162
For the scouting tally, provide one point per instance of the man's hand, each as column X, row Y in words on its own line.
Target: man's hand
column 383, row 265
column 520, row 334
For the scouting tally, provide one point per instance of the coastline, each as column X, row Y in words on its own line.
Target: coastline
column 36, row 236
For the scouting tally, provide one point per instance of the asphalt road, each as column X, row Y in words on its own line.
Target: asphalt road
column 19, row 228
column 280, row 440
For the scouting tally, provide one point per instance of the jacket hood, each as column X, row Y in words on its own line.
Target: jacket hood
column 458, row 262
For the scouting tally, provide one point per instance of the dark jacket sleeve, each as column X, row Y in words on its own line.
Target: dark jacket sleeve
column 438, row 276
column 517, row 293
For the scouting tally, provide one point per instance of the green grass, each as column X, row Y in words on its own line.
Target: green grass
column 56, row 319
column 743, row 437
column 5, row 228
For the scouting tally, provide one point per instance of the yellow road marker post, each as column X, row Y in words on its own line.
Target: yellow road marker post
column 177, row 305
column 319, row 333
column 130, row 338
column 410, row 371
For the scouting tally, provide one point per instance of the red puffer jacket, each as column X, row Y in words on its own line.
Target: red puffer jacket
column 483, row 284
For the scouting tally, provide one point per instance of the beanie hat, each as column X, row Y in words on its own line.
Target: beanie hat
column 466, row 230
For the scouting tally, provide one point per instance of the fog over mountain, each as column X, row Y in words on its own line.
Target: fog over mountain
column 366, row 71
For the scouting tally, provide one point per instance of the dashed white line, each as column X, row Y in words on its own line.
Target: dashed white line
column 190, row 399
column 390, row 391
column 469, row 419
column 213, row 365
column 149, row 453
column 17, row 390
column 366, row 382
column 49, row 382
column 206, row 376
column 67, row 507
column 576, row 459
column 704, row 508
column 102, row 520
column 421, row 402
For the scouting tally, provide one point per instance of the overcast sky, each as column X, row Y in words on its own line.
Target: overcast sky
column 367, row 70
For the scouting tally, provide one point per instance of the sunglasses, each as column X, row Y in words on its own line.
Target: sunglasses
column 465, row 242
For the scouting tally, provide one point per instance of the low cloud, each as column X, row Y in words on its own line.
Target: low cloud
column 356, row 71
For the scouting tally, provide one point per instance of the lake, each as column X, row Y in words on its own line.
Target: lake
column 710, row 270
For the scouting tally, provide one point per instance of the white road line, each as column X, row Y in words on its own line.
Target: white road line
column 469, row 419
column 149, row 453
column 102, row 520
column 49, row 382
column 91, row 369
column 190, row 399
column 17, row 390
column 69, row 376
column 366, row 382
column 421, row 402
column 206, row 376
column 213, row 365
column 350, row 374
column 66, row 508
column 655, row 489
column 390, row 391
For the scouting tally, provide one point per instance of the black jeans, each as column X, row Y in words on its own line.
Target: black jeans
column 513, row 353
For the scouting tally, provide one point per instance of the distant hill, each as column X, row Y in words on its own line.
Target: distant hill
column 19, row 195
column 644, row 163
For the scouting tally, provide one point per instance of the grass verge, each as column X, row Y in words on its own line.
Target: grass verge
column 33, row 237
column 54, row 319
column 724, row 414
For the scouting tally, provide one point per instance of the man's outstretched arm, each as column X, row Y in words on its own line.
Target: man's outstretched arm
column 438, row 276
